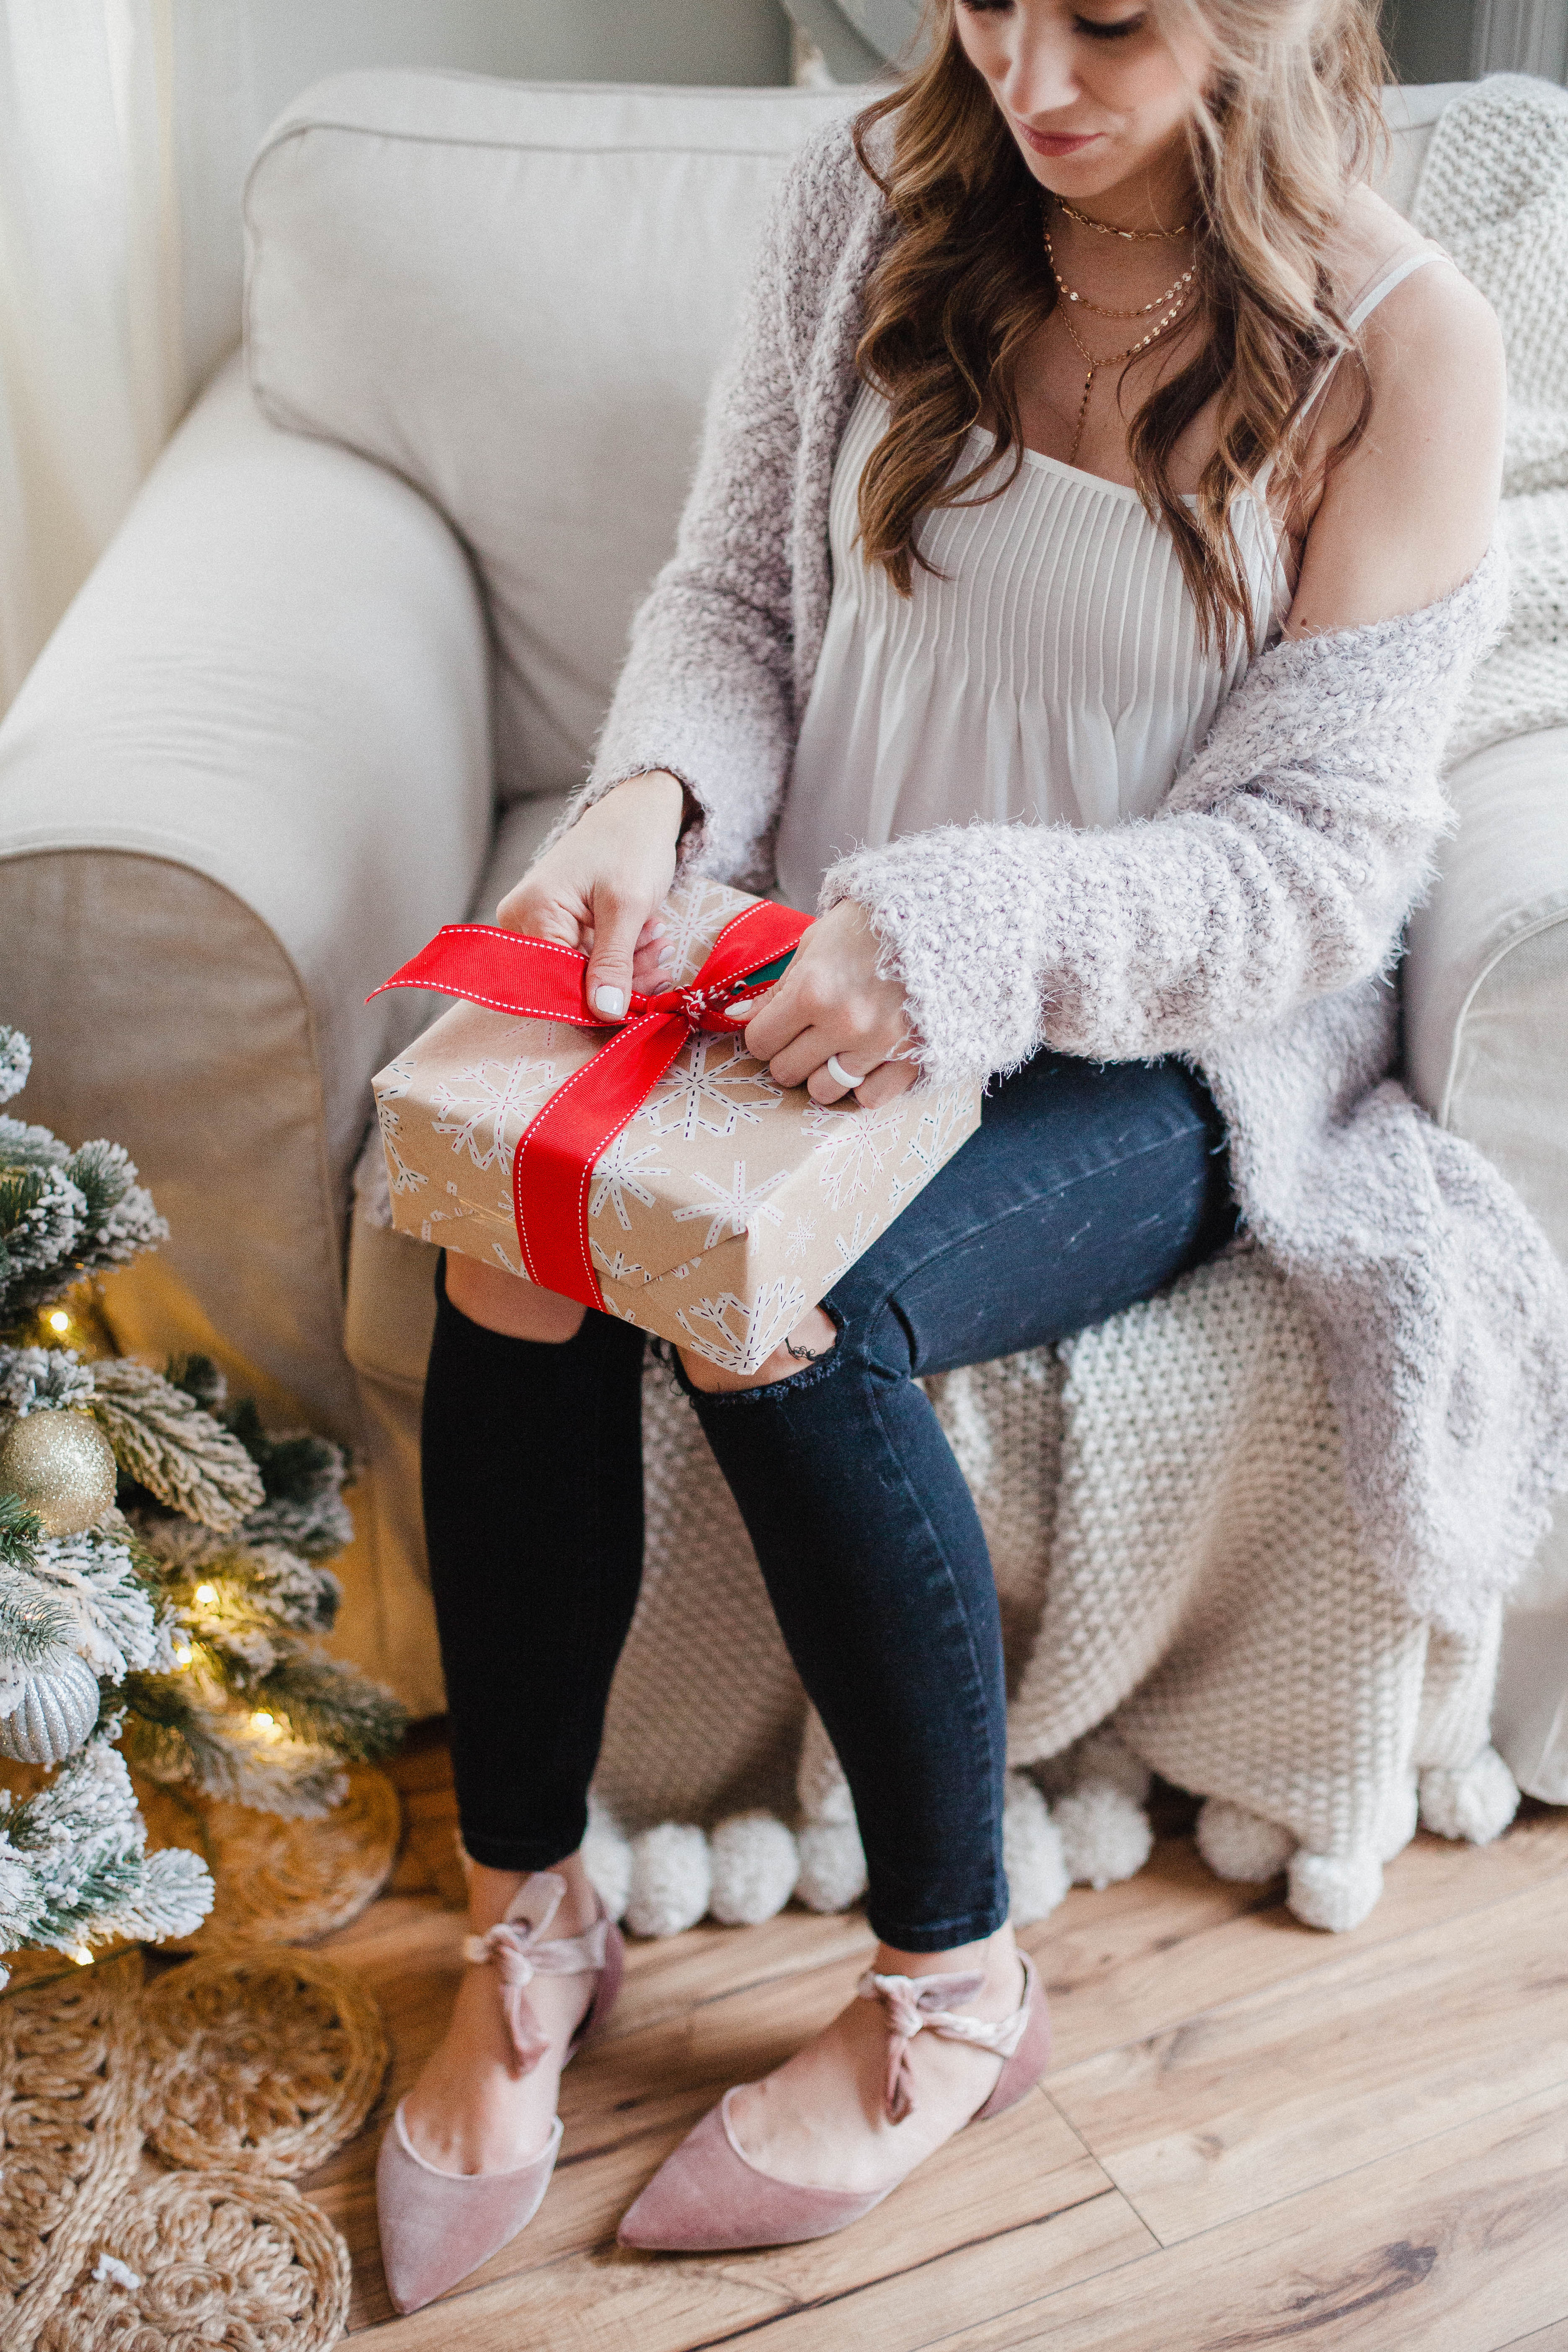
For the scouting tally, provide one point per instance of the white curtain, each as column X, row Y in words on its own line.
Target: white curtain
column 91, row 366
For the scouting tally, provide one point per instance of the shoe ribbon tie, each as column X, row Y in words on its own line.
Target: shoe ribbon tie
column 916, row 2005
column 517, row 1948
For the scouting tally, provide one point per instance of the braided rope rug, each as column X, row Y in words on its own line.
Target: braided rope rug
column 278, row 1881
column 206, row 2261
column 70, row 2133
column 260, row 2061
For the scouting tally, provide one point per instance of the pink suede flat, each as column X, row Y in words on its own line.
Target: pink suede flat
column 708, row 2197
column 437, row 2227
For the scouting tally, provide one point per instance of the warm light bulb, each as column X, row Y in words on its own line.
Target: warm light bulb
column 205, row 1595
column 183, row 1654
column 59, row 1320
column 261, row 1721
column 83, row 1957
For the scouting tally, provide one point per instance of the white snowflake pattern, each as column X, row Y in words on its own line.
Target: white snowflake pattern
column 619, row 1268
column 801, row 1237
column 741, row 1208
column 692, row 916
column 697, row 1091
column 928, row 1147
column 620, row 1171
column 403, row 1178
column 851, row 1244
column 852, row 1147
column 480, row 1104
column 738, row 1333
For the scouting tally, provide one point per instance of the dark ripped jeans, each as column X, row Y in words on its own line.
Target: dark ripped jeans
column 1085, row 1188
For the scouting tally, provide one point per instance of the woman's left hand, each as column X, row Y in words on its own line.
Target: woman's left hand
column 832, row 1001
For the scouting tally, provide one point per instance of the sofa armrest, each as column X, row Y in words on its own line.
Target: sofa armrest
column 249, row 775
column 1486, row 980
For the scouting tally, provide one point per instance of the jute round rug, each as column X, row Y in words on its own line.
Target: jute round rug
column 278, row 1881
column 261, row 2061
column 206, row 2261
column 71, row 2064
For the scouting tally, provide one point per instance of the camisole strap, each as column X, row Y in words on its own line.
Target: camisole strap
column 1365, row 304
column 1395, row 275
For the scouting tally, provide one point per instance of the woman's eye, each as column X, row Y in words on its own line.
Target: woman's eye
column 1117, row 31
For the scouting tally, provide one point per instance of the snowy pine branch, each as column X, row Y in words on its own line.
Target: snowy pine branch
column 15, row 1061
column 163, row 1441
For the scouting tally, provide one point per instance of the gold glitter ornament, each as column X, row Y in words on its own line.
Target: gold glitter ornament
column 62, row 1467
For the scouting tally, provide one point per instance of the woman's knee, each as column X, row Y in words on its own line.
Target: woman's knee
column 813, row 1337
column 498, row 1301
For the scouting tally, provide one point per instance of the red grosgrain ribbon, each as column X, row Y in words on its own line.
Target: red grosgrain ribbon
column 553, row 1166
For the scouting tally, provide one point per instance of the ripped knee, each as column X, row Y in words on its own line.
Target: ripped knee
column 813, row 1336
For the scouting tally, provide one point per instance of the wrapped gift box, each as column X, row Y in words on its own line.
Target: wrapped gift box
column 723, row 1208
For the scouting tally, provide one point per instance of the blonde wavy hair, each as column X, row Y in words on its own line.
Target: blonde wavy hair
column 1291, row 118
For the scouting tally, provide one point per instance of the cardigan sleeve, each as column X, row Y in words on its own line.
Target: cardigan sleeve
column 708, row 689
column 1281, row 866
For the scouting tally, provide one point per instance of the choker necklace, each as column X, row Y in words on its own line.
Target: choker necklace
column 1175, row 300
column 1129, row 235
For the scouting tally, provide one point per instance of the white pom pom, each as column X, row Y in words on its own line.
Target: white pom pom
column 1031, row 1852
column 1397, row 1825
column 671, row 1880
column 1238, row 1844
column 832, row 1866
column 1333, row 1891
column 1104, row 1755
column 755, row 1864
column 820, row 1785
column 607, row 1858
column 1105, row 1836
column 1476, row 1803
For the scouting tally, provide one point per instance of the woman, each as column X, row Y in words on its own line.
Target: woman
column 1084, row 385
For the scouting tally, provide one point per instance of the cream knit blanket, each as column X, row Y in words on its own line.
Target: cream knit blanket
column 1494, row 194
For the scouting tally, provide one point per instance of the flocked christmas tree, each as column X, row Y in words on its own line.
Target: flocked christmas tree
column 162, row 1577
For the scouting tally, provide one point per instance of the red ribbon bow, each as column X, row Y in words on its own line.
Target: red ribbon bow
column 553, row 1163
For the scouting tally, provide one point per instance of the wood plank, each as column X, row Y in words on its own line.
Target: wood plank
column 1452, row 2246
column 1371, row 2052
column 1163, row 1946
column 1018, row 2202
column 1545, row 2339
column 1126, row 1968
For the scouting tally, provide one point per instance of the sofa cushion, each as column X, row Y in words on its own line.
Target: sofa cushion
column 514, row 296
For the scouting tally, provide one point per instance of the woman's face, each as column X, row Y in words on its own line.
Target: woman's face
column 1097, row 95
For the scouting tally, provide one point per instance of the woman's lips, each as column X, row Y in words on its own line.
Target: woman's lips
column 1056, row 142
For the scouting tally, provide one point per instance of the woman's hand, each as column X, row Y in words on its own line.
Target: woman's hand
column 601, row 886
column 831, row 1000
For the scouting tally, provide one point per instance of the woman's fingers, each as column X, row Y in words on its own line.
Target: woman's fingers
column 885, row 1084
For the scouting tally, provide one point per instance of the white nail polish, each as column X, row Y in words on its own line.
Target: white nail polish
column 610, row 1002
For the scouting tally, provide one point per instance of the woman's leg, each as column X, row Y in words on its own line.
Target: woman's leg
column 532, row 1484
column 1085, row 1188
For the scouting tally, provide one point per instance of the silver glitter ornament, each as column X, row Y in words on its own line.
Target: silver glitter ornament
column 58, row 1708
column 62, row 1467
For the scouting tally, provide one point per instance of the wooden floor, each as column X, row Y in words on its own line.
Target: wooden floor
column 1253, row 2136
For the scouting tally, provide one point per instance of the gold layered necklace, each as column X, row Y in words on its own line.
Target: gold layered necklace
column 1164, row 310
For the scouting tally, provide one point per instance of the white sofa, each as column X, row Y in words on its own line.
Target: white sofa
column 324, row 690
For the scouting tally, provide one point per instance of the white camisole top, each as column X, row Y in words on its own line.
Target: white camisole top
column 1053, row 673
